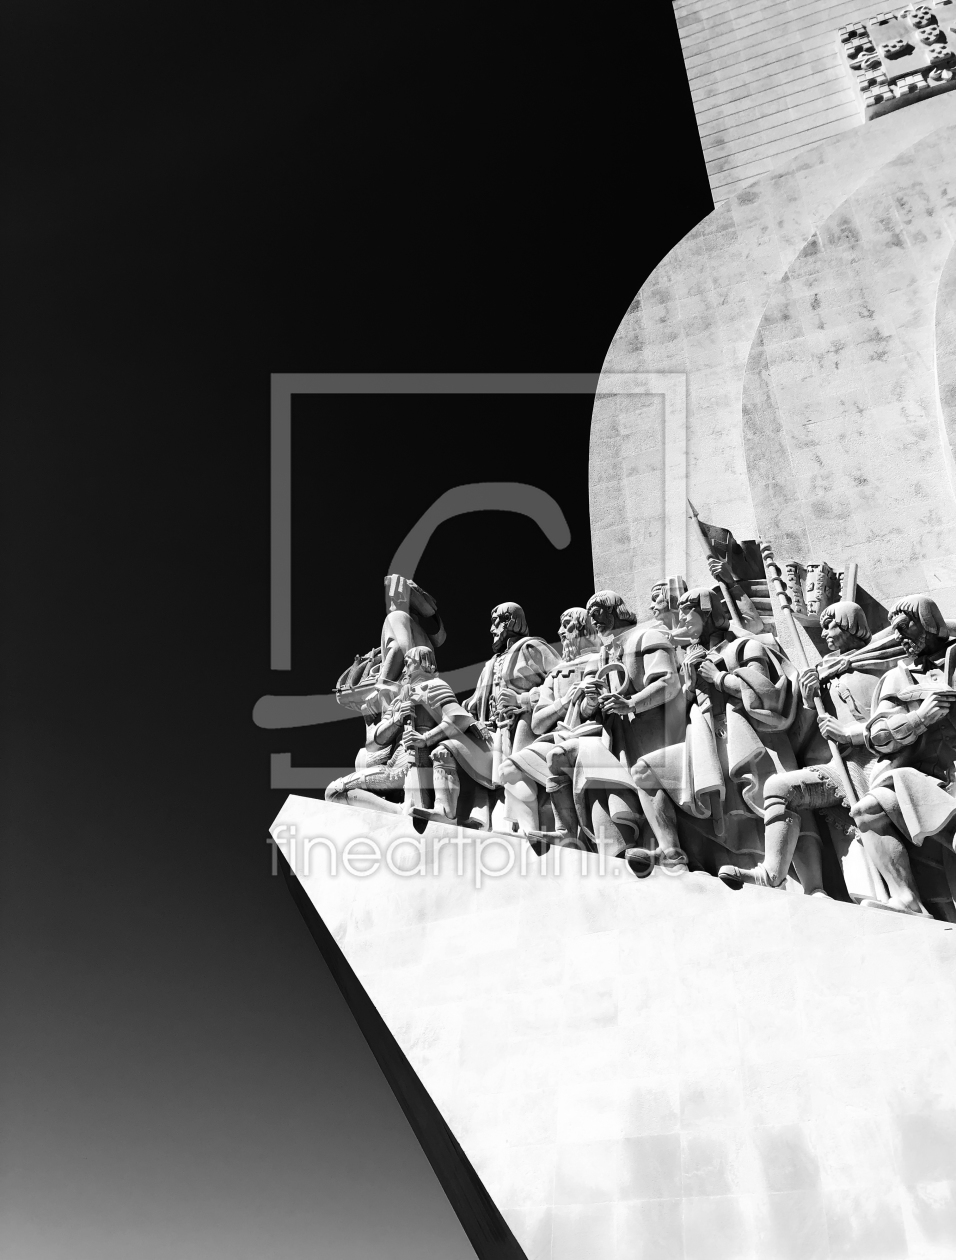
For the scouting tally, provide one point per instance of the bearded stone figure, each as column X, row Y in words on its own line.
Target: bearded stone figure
column 554, row 719
column 507, row 690
column 590, row 783
column 911, row 735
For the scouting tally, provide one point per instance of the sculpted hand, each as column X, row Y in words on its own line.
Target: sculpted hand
column 830, row 728
column 615, row 703
column 412, row 739
column 719, row 570
column 506, row 704
column 809, row 686
column 933, row 709
column 709, row 672
column 574, row 695
column 692, row 658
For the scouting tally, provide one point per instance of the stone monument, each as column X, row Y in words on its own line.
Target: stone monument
column 656, row 943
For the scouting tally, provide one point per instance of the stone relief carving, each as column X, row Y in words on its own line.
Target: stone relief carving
column 896, row 58
column 779, row 726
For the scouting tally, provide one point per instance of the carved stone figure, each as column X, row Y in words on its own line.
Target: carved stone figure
column 591, row 769
column 431, row 723
column 507, row 688
column 912, row 787
column 411, row 620
column 786, row 793
column 555, row 716
column 665, row 598
column 378, row 767
column 821, row 588
column 744, row 699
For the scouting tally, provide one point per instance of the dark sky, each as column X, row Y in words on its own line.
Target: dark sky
column 189, row 205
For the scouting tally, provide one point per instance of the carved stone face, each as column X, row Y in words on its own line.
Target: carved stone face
column 839, row 640
column 500, row 629
column 690, row 625
column 416, row 671
column 569, row 638
column 660, row 599
column 573, row 639
column 602, row 616
column 909, row 631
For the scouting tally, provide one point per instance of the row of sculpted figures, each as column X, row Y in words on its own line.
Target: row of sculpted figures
column 691, row 740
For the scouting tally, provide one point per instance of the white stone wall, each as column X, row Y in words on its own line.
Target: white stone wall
column 664, row 1069
column 706, row 310
column 767, row 81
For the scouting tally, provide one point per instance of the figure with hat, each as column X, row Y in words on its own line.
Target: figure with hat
column 911, row 791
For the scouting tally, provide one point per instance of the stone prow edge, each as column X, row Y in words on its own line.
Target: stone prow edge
column 486, row 1228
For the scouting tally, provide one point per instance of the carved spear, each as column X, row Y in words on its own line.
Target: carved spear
column 735, row 619
column 780, row 595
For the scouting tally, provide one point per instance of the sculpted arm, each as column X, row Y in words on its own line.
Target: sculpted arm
column 661, row 669
column 591, row 704
column 853, row 733
column 548, row 711
column 662, row 680
column 893, row 726
column 389, row 727
column 756, row 675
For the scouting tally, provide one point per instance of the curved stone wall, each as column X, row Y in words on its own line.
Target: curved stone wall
column 840, row 415
column 699, row 314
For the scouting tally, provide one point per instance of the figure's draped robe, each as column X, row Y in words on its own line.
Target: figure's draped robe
column 603, row 752
column 523, row 667
column 731, row 746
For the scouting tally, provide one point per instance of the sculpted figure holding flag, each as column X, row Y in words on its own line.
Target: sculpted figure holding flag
column 744, row 697
column 848, row 694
